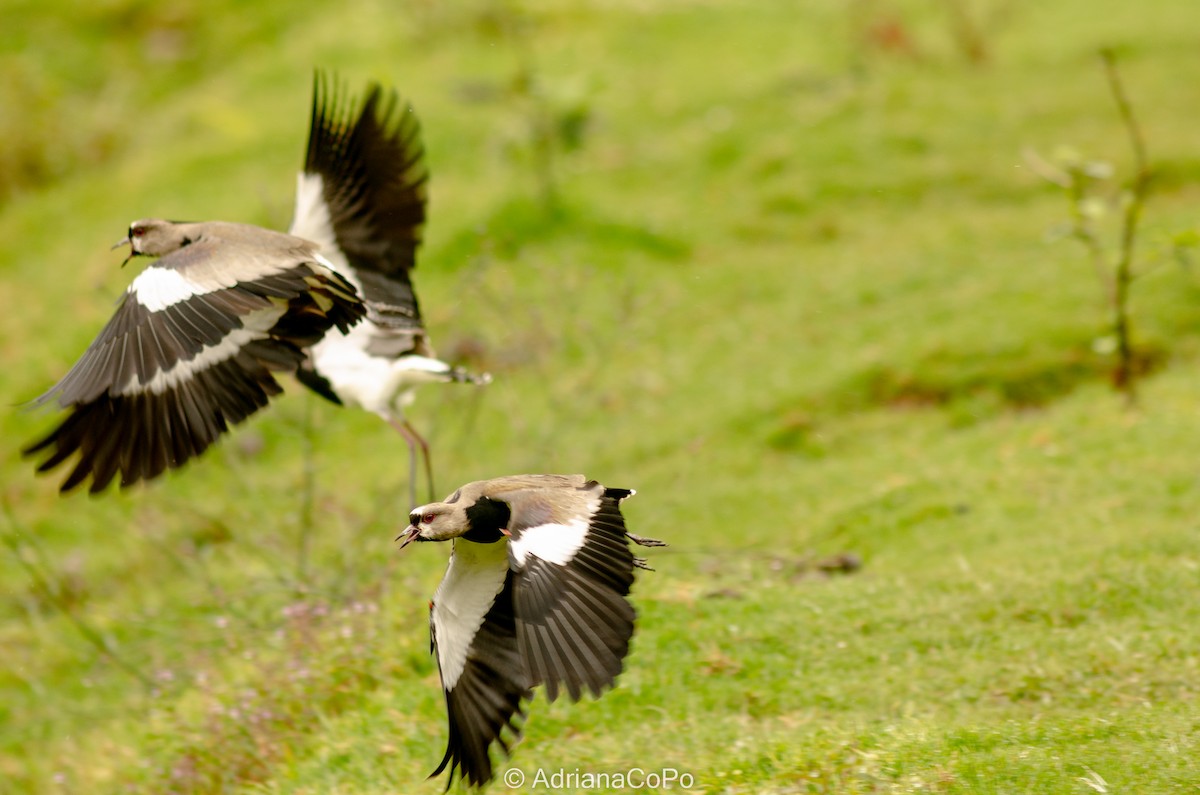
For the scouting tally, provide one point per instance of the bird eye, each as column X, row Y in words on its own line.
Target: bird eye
column 428, row 518
column 137, row 231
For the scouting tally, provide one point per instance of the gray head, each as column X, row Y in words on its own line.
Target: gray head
column 438, row 521
column 471, row 512
column 154, row 237
column 481, row 511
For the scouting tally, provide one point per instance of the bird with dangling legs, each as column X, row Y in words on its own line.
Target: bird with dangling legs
column 536, row 593
column 192, row 347
column 194, row 343
column 363, row 198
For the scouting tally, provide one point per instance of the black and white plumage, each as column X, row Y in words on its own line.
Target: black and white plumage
column 535, row 594
column 192, row 347
column 194, row 341
column 362, row 197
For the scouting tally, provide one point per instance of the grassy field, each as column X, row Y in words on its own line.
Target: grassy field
column 786, row 272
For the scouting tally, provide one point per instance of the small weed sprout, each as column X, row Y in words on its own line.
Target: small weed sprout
column 554, row 121
column 1094, row 200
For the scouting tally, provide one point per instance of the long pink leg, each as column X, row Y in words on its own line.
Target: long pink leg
column 414, row 441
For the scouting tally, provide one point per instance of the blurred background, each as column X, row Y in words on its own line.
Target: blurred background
column 835, row 285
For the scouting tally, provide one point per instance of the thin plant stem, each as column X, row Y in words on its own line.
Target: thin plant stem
column 1125, row 375
column 308, row 496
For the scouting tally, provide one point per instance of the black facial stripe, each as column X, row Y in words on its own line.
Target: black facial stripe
column 487, row 518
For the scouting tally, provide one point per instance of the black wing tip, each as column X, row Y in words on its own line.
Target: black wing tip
column 338, row 116
column 617, row 495
column 318, row 383
column 33, row 448
column 82, row 472
column 442, row 767
column 478, row 772
column 368, row 150
column 138, row 436
column 486, row 706
column 59, row 453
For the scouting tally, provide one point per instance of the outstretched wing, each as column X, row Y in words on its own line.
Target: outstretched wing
column 189, row 352
column 573, row 569
column 474, row 637
column 362, row 195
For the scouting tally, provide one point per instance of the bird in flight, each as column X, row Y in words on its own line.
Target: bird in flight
column 192, row 348
column 535, row 594
column 197, row 337
column 362, row 196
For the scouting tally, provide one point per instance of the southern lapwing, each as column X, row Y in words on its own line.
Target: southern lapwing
column 362, row 197
column 192, row 347
column 190, row 351
column 535, row 595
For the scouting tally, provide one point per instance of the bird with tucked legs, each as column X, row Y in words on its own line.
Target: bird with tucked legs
column 536, row 593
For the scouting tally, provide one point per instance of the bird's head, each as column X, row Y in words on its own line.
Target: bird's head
column 152, row 237
column 437, row 521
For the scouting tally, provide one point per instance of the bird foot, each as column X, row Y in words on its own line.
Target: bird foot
column 462, row 376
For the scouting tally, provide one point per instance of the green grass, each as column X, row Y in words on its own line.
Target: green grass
column 797, row 291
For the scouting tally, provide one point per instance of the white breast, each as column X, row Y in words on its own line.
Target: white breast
column 378, row 384
column 475, row 576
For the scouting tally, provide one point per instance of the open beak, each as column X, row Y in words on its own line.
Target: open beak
column 124, row 242
column 410, row 534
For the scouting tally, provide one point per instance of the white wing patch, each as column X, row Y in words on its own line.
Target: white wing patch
column 311, row 216
column 475, row 576
column 311, row 221
column 158, row 288
column 378, row 384
column 553, row 543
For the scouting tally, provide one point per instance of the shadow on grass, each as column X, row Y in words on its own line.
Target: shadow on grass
column 968, row 386
column 1006, row 381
